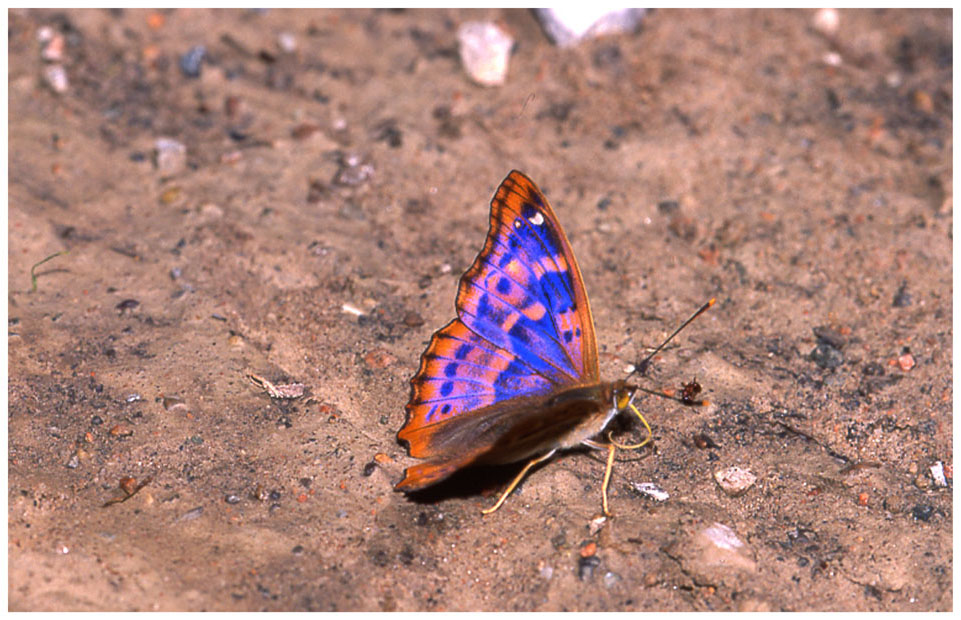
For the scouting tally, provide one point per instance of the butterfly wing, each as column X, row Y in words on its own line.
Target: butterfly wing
column 524, row 328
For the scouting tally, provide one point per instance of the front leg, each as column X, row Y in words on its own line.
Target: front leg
column 607, row 472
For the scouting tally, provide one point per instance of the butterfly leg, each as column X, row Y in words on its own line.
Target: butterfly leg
column 517, row 480
column 607, row 472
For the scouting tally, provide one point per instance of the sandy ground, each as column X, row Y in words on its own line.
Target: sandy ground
column 801, row 176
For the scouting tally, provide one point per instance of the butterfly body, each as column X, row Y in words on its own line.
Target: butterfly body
column 515, row 375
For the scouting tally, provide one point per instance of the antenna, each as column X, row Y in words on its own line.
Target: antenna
column 641, row 367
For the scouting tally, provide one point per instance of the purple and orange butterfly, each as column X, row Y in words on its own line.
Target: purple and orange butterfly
column 515, row 375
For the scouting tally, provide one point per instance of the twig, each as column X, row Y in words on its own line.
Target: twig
column 33, row 274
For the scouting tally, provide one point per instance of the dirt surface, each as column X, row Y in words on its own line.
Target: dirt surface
column 334, row 185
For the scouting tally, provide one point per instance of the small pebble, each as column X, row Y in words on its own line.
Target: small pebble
column 350, row 210
column 287, row 42
column 53, row 50
column 298, row 550
column 44, row 34
column 169, row 155
column 722, row 537
column 288, row 390
column 128, row 485
column 232, row 499
column 369, row 469
column 610, row 579
column 412, row 319
column 485, row 52
column 56, row 78
column 354, row 170
column 684, row 227
column 304, row 130
column 169, row 402
column 121, row 430
column 922, row 512
column 546, row 571
column 596, row 524
column 826, row 356
column 826, row 21
column 132, row 398
column 906, row 361
column 703, row 441
column 651, row 490
column 830, row 335
column 902, row 298
column 832, row 59
column 574, row 22
column 170, row 195
column 586, row 566
column 74, row 462
column 937, row 473
column 735, row 481
column 190, row 63
column 156, row 21
column 190, row 515
column 379, row 358
column 923, row 102
column 126, row 305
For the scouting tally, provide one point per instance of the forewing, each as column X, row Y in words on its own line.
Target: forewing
column 524, row 324
column 525, row 292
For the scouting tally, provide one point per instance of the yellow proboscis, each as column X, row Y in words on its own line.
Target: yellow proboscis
column 634, row 446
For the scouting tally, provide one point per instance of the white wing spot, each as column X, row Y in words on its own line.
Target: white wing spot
column 537, row 220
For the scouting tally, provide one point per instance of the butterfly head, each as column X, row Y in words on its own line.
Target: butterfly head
column 622, row 397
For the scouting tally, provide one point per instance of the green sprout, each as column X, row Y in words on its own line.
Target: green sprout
column 33, row 274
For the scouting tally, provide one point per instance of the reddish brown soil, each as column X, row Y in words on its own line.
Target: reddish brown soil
column 717, row 154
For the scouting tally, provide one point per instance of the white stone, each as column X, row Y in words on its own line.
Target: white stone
column 171, row 155
column 735, row 481
column 56, row 78
column 826, row 21
column 574, row 22
column 485, row 52
column 652, row 490
column 937, row 472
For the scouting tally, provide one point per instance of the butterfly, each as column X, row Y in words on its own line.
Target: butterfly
column 515, row 375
